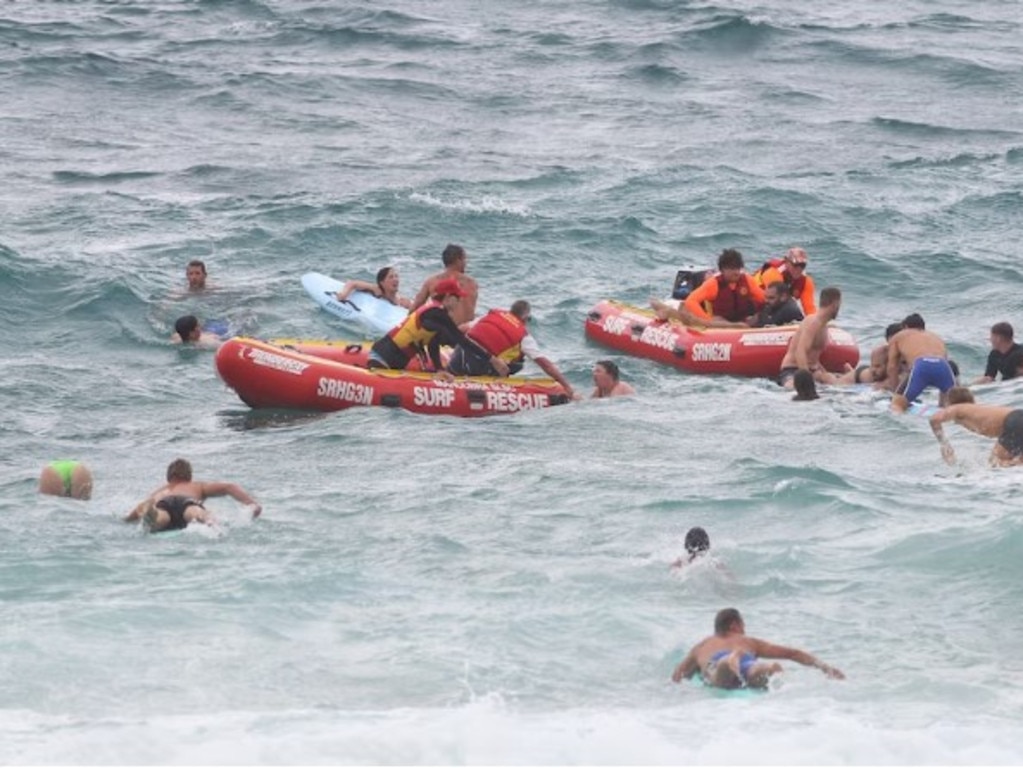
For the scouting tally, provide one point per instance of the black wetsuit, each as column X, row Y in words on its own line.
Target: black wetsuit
column 787, row 312
column 999, row 363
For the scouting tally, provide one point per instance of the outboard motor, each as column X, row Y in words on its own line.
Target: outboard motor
column 687, row 280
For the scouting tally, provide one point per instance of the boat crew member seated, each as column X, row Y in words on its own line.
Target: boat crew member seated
column 731, row 294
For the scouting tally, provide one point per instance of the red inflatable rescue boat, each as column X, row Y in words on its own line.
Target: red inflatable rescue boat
column 731, row 351
column 266, row 376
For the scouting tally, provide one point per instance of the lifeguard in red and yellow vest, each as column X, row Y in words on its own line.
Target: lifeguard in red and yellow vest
column 730, row 294
column 791, row 270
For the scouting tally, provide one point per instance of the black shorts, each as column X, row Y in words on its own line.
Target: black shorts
column 1011, row 438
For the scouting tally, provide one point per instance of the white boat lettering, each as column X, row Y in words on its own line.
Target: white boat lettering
column 439, row 398
column 716, row 353
column 278, row 362
column 509, row 402
column 766, row 339
column 349, row 391
column 658, row 336
column 615, row 324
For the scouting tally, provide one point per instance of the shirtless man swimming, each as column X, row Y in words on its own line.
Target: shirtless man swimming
column 924, row 355
column 731, row 659
column 1001, row 422
column 180, row 501
column 809, row 340
column 455, row 259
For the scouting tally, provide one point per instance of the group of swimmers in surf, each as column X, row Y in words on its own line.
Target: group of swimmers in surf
column 911, row 360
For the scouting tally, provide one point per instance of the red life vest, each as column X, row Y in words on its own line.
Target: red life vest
column 733, row 302
column 500, row 333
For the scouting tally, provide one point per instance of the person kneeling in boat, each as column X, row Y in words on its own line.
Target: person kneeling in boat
column 180, row 501
column 731, row 294
column 502, row 335
column 423, row 332
column 386, row 288
column 731, row 659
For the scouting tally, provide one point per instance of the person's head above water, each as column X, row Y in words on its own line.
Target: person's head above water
column 697, row 542
column 186, row 327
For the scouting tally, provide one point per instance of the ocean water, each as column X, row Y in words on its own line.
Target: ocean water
column 432, row 590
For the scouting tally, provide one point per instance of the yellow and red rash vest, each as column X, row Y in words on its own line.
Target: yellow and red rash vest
column 500, row 333
column 733, row 302
column 404, row 341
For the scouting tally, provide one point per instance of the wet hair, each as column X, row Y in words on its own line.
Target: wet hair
column 382, row 274
column 806, row 387
column 180, row 470
column 730, row 259
column 1002, row 329
column 520, row 309
column 830, row 295
column 914, row 321
column 724, row 620
column 611, row 367
column 891, row 330
column 697, row 542
column 451, row 254
column 783, row 288
column 954, row 366
column 197, row 263
column 958, row 395
column 185, row 326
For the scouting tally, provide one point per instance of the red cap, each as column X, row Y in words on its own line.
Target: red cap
column 448, row 287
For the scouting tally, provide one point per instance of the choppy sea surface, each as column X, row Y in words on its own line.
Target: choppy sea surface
column 434, row 590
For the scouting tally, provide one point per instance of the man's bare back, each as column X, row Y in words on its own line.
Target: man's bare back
column 986, row 420
column 909, row 344
column 465, row 311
